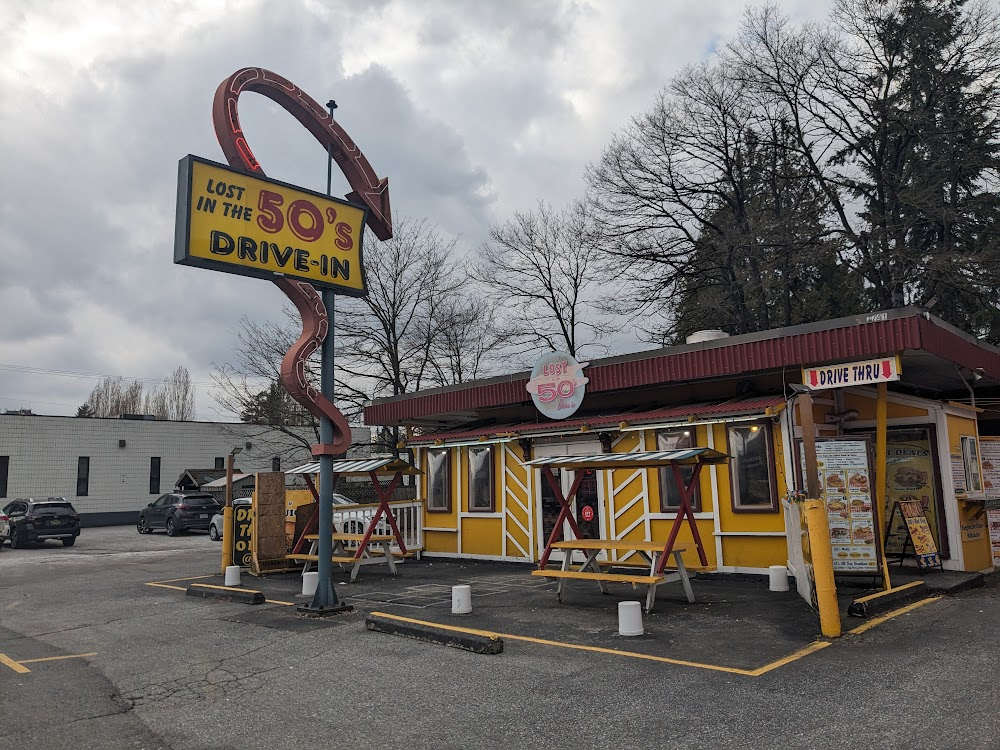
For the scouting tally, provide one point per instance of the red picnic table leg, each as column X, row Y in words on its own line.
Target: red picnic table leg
column 685, row 511
column 564, row 512
column 384, row 494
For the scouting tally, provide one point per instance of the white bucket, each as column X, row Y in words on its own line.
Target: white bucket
column 630, row 618
column 232, row 575
column 461, row 600
column 778, row 575
column 310, row 582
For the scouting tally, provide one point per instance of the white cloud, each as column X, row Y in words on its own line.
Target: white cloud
column 471, row 111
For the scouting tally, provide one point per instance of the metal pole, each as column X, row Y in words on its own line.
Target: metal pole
column 227, row 516
column 325, row 599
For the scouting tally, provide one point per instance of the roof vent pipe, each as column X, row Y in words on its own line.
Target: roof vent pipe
column 711, row 335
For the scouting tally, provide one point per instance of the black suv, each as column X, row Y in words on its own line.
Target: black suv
column 30, row 521
column 178, row 512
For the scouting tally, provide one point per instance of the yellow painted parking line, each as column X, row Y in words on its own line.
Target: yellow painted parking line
column 166, row 586
column 189, row 578
column 895, row 613
column 575, row 646
column 56, row 658
column 16, row 666
column 275, row 601
column 812, row 648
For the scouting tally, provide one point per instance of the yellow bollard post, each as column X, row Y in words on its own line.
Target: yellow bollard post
column 822, row 561
column 227, row 537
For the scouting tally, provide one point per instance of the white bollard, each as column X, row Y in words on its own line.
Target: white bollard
column 778, row 577
column 310, row 582
column 630, row 618
column 232, row 575
column 461, row 600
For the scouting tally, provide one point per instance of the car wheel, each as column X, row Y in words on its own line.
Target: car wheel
column 213, row 533
column 142, row 527
column 172, row 529
column 69, row 541
column 18, row 540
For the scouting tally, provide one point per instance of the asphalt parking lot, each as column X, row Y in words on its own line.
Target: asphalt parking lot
column 94, row 656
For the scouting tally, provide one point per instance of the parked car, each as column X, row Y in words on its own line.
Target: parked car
column 26, row 521
column 215, row 528
column 178, row 512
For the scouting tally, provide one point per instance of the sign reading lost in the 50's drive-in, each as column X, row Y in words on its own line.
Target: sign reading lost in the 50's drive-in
column 867, row 372
column 230, row 221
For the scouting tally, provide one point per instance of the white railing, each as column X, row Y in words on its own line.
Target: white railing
column 409, row 516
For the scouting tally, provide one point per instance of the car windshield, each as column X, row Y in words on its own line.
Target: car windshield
column 54, row 509
column 199, row 500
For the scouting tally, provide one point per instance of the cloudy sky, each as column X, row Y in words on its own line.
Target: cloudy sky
column 472, row 110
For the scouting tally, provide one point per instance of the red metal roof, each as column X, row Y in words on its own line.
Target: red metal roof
column 844, row 339
column 740, row 407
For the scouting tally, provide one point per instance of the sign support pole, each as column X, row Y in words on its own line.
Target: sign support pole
column 325, row 600
column 879, row 504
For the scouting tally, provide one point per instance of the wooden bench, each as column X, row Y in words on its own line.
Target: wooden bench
column 672, row 564
column 610, row 577
column 599, row 570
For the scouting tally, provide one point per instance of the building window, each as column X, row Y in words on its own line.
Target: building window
column 481, row 497
column 751, row 468
column 438, row 481
column 220, row 462
column 970, row 458
column 154, row 476
column 276, row 463
column 82, row 476
column 4, row 466
column 670, row 496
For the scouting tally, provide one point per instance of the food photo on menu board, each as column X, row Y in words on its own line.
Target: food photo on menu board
column 845, row 482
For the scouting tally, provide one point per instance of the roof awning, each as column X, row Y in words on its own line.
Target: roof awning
column 681, row 414
column 360, row 467
column 645, row 460
column 221, row 483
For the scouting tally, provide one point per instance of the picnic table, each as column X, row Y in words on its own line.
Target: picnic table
column 355, row 556
column 600, row 570
column 655, row 553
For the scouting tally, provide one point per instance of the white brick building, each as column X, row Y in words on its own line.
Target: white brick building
column 111, row 468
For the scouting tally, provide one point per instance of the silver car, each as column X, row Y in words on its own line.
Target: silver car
column 216, row 525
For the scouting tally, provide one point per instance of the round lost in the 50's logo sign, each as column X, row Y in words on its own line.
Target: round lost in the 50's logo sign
column 557, row 384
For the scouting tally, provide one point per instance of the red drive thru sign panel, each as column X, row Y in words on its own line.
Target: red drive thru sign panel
column 865, row 372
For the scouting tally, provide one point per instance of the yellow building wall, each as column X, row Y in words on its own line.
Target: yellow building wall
column 974, row 532
column 482, row 536
column 440, row 541
column 867, row 407
column 515, row 499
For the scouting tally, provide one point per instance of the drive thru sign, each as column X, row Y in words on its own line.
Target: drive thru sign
column 866, row 372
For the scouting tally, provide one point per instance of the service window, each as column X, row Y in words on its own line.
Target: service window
column 438, row 481
column 752, row 468
column 481, row 498
column 970, row 458
column 670, row 496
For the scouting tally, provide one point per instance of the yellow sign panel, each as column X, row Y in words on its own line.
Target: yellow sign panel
column 233, row 222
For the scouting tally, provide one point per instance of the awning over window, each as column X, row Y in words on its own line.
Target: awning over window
column 645, row 460
column 360, row 467
column 716, row 411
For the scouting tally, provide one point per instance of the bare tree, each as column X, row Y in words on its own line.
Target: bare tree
column 179, row 395
column 399, row 338
column 542, row 268
column 469, row 340
column 114, row 396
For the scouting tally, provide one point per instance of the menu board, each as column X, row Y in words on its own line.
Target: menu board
column 846, row 488
column 920, row 534
column 910, row 476
column 989, row 451
column 993, row 520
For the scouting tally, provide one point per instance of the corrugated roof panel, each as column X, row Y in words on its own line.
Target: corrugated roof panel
column 716, row 359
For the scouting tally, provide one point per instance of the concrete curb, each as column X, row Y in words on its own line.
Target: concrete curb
column 477, row 642
column 225, row 593
column 973, row 581
column 884, row 601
